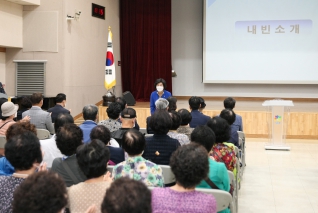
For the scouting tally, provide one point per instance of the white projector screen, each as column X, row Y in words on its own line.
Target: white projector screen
column 260, row 41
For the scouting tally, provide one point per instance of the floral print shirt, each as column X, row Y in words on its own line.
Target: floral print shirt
column 182, row 138
column 112, row 125
column 8, row 184
column 224, row 153
column 140, row 169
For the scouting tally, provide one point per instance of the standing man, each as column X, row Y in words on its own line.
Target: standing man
column 59, row 107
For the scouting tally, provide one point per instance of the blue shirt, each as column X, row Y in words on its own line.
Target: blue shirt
column 198, row 119
column 5, row 167
column 87, row 127
column 236, row 126
column 154, row 97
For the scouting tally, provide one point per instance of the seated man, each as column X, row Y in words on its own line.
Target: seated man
column 113, row 112
column 176, row 121
column 197, row 117
column 161, row 103
column 123, row 105
column 40, row 118
column 229, row 103
column 90, row 114
column 59, row 107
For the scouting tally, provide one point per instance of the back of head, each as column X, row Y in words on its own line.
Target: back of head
column 40, row 192
column 228, row 115
column 194, row 103
column 26, row 102
column 162, row 103
column 221, row 129
column 133, row 142
column 229, row 103
column 160, row 122
column 113, row 110
column 204, row 136
column 172, row 103
column 60, row 98
column 90, row 112
column 186, row 116
column 61, row 120
column 122, row 102
column 68, row 138
column 23, row 150
column 189, row 163
column 176, row 120
column 127, row 195
column 19, row 128
column 127, row 117
column 100, row 132
column 92, row 158
column 36, row 98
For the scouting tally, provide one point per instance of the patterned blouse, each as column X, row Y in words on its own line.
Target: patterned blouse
column 182, row 138
column 185, row 130
column 112, row 125
column 141, row 169
column 224, row 153
column 7, row 185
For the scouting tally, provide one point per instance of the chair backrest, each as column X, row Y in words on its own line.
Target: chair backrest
column 110, row 168
column 143, row 130
column 167, row 174
column 231, row 176
column 241, row 135
column 236, row 150
column 43, row 134
column 223, row 198
column 148, row 135
column 3, row 141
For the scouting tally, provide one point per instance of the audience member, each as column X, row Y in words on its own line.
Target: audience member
column 23, row 151
column 222, row 151
column 160, row 86
column 40, row 118
column 176, row 121
column 68, row 138
column 136, row 167
column 127, row 195
column 217, row 174
column 229, row 103
column 161, row 104
column 2, row 101
column 40, row 192
column 49, row 146
column 90, row 114
column 197, row 117
column 127, row 118
column 123, row 105
column 59, row 107
column 25, row 105
column 202, row 105
column 101, row 133
column 92, row 159
column 172, row 104
column 190, row 166
column 186, row 117
column 160, row 146
column 113, row 112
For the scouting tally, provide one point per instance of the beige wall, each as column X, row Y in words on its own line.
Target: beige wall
column 10, row 24
column 3, row 67
column 77, row 69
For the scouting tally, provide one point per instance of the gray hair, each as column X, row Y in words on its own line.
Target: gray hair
column 161, row 103
column 90, row 112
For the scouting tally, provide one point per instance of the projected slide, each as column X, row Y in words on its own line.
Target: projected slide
column 260, row 41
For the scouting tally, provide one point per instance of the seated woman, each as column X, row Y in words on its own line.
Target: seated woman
column 23, row 151
column 222, row 151
column 186, row 117
column 113, row 112
column 160, row 146
column 136, row 167
column 40, row 192
column 160, row 86
column 218, row 174
column 176, row 121
column 92, row 159
column 190, row 166
column 202, row 105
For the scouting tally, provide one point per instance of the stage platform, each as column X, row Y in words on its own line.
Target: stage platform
column 303, row 122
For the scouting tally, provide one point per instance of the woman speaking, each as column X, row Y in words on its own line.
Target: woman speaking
column 160, row 92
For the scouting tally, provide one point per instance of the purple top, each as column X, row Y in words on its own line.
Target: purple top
column 167, row 200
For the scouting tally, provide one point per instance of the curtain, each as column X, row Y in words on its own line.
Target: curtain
column 145, row 45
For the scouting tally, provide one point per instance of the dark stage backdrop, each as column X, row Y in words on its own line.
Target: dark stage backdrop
column 145, row 45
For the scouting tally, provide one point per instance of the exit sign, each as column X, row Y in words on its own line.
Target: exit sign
column 98, row 11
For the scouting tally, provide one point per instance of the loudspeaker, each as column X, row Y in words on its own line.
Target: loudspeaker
column 129, row 98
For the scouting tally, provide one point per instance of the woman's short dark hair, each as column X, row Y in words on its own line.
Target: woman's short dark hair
column 194, row 102
column 186, row 116
column 204, row 136
column 228, row 115
column 113, row 110
column 160, row 122
column 23, row 150
column 92, row 158
column 190, row 165
column 127, row 195
column 60, row 97
column 19, row 128
column 172, row 103
column 221, row 129
column 61, row 120
column 160, row 80
column 36, row 98
column 133, row 142
column 68, row 138
column 41, row 192
column 26, row 102
column 122, row 102
column 5, row 118
column 101, row 133
column 176, row 120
